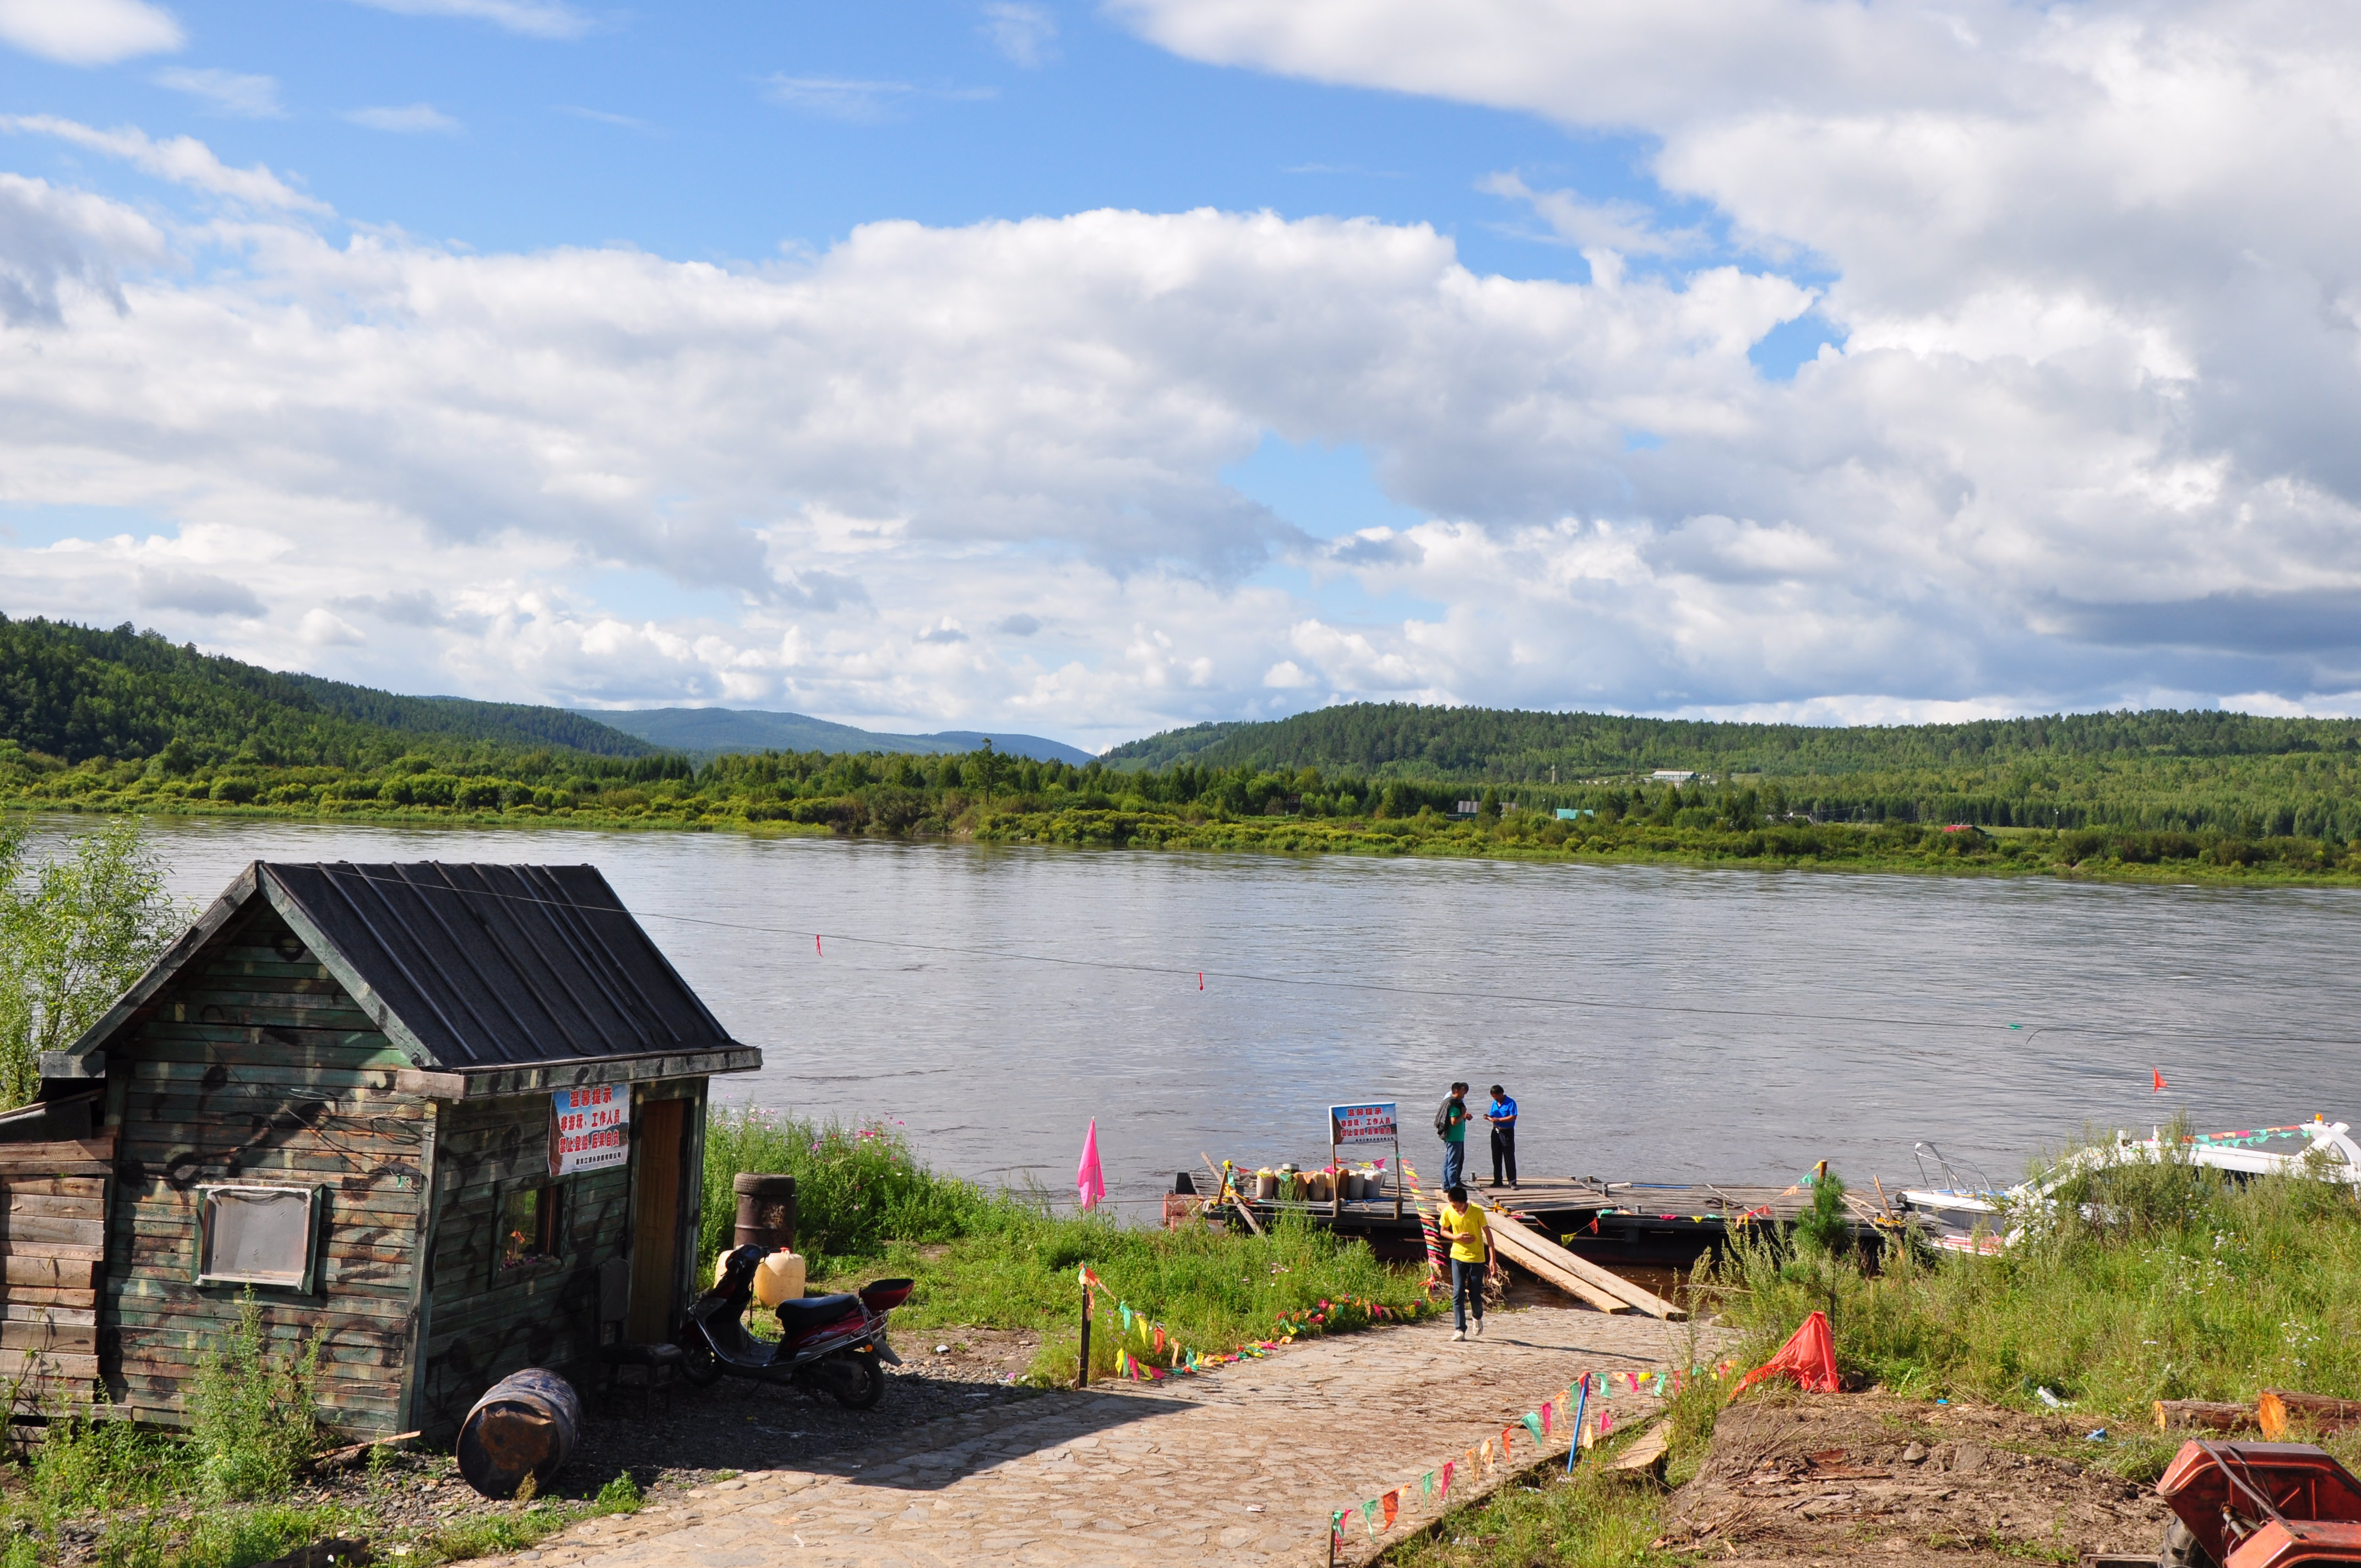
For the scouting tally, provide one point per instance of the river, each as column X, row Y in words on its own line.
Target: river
column 1655, row 1023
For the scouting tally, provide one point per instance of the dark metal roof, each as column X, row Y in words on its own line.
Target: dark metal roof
column 487, row 965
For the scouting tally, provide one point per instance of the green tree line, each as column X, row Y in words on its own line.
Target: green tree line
column 1506, row 746
column 77, row 693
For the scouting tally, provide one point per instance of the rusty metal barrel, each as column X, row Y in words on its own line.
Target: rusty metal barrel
column 766, row 1211
column 526, row 1424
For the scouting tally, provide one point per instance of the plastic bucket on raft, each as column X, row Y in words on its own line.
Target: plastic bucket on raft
column 526, row 1424
column 1266, row 1185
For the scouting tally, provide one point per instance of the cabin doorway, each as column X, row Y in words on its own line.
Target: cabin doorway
column 655, row 1220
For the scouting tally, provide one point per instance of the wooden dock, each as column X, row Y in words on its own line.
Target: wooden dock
column 1613, row 1224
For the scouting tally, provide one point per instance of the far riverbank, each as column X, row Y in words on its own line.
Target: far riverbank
column 2090, row 854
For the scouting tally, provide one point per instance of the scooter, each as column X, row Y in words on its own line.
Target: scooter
column 832, row 1343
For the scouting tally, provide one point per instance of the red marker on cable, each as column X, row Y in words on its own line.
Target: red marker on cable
column 815, row 948
column 1201, row 980
column 2157, row 1074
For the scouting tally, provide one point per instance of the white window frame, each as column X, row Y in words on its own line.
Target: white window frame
column 315, row 1200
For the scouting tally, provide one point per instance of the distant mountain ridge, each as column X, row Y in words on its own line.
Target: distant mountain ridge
column 77, row 692
column 1410, row 742
column 707, row 732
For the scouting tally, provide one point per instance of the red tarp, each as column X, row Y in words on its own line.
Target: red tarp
column 1809, row 1356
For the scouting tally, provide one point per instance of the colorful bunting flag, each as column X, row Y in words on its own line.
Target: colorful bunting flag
column 1369, row 1516
column 1392, row 1501
column 1549, row 1408
column 1447, row 1468
column 1533, row 1423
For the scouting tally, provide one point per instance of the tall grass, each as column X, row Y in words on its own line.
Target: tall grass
column 856, row 1187
column 2144, row 1282
column 867, row 1208
column 251, row 1415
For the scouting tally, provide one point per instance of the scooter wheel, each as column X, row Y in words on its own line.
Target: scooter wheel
column 698, row 1363
column 857, row 1379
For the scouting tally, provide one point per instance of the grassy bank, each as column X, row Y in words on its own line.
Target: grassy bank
column 1000, row 1260
column 2145, row 1282
column 2083, row 854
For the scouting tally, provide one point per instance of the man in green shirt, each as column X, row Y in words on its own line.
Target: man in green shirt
column 1451, row 1122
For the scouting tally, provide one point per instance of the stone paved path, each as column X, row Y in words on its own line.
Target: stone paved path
column 1241, row 1467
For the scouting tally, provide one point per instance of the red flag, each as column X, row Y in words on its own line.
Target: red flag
column 1391, row 1502
column 2158, row 1075
column 815, row 948
column 1504, row 1443
column 1809, row 1356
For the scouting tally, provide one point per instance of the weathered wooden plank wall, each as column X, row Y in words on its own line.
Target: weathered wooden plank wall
column 255, row 1067
column 484, row 1322
column 52, row 1237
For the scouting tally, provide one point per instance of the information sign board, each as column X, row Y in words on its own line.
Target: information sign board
column 589, row 1128
column 1351, row 1125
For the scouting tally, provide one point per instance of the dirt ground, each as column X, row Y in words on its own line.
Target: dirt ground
column 1838, row 1478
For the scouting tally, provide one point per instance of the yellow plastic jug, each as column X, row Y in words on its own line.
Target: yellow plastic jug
column 779, row 1277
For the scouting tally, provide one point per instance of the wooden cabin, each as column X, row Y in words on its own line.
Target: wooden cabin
column 415, row 1109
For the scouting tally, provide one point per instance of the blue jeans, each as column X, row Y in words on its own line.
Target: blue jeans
column 1454, row 1164
column 1467, row 1292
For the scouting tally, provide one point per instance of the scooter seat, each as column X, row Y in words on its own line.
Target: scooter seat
column 812, row 1313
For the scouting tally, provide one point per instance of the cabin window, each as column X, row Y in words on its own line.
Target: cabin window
column 258, row 1236
column 529, row 1226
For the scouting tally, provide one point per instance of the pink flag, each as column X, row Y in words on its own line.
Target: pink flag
column 1092, row 1184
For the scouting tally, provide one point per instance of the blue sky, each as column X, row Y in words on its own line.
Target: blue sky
column 727, row 132
column 1092, row 369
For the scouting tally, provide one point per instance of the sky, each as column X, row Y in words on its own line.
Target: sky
column 1095, row 369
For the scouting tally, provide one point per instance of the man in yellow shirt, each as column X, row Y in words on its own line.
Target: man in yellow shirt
column 1463, row 1226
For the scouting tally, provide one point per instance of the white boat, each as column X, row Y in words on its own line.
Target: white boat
column 1969, row 1212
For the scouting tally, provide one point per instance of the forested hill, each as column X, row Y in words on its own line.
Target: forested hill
column 1405, row 740
column 77, row 693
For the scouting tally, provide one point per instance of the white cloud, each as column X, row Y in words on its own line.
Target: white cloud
column 53, row 240
column 323, row 629
column 88, row 32
column 1625, row 227
column 1025, row 34
column 407, row 119
column 183, row 160
column 534, row 19
column 2089, row 439
column 858, row 102
column 228, row 91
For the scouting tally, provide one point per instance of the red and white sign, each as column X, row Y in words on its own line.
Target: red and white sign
column 589, row 1128
column 1362, row 1124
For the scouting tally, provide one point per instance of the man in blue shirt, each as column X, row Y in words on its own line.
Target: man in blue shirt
column 1502, row 1115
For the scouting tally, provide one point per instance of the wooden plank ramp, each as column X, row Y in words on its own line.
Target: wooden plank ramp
column 1603, row 1288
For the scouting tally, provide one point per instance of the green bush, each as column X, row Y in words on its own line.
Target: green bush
column 251, row 1414
column 85, row 1466
column 2144, row 1281
column 856, row 1187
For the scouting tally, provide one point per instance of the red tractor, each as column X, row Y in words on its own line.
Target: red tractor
column 2258, row 1504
